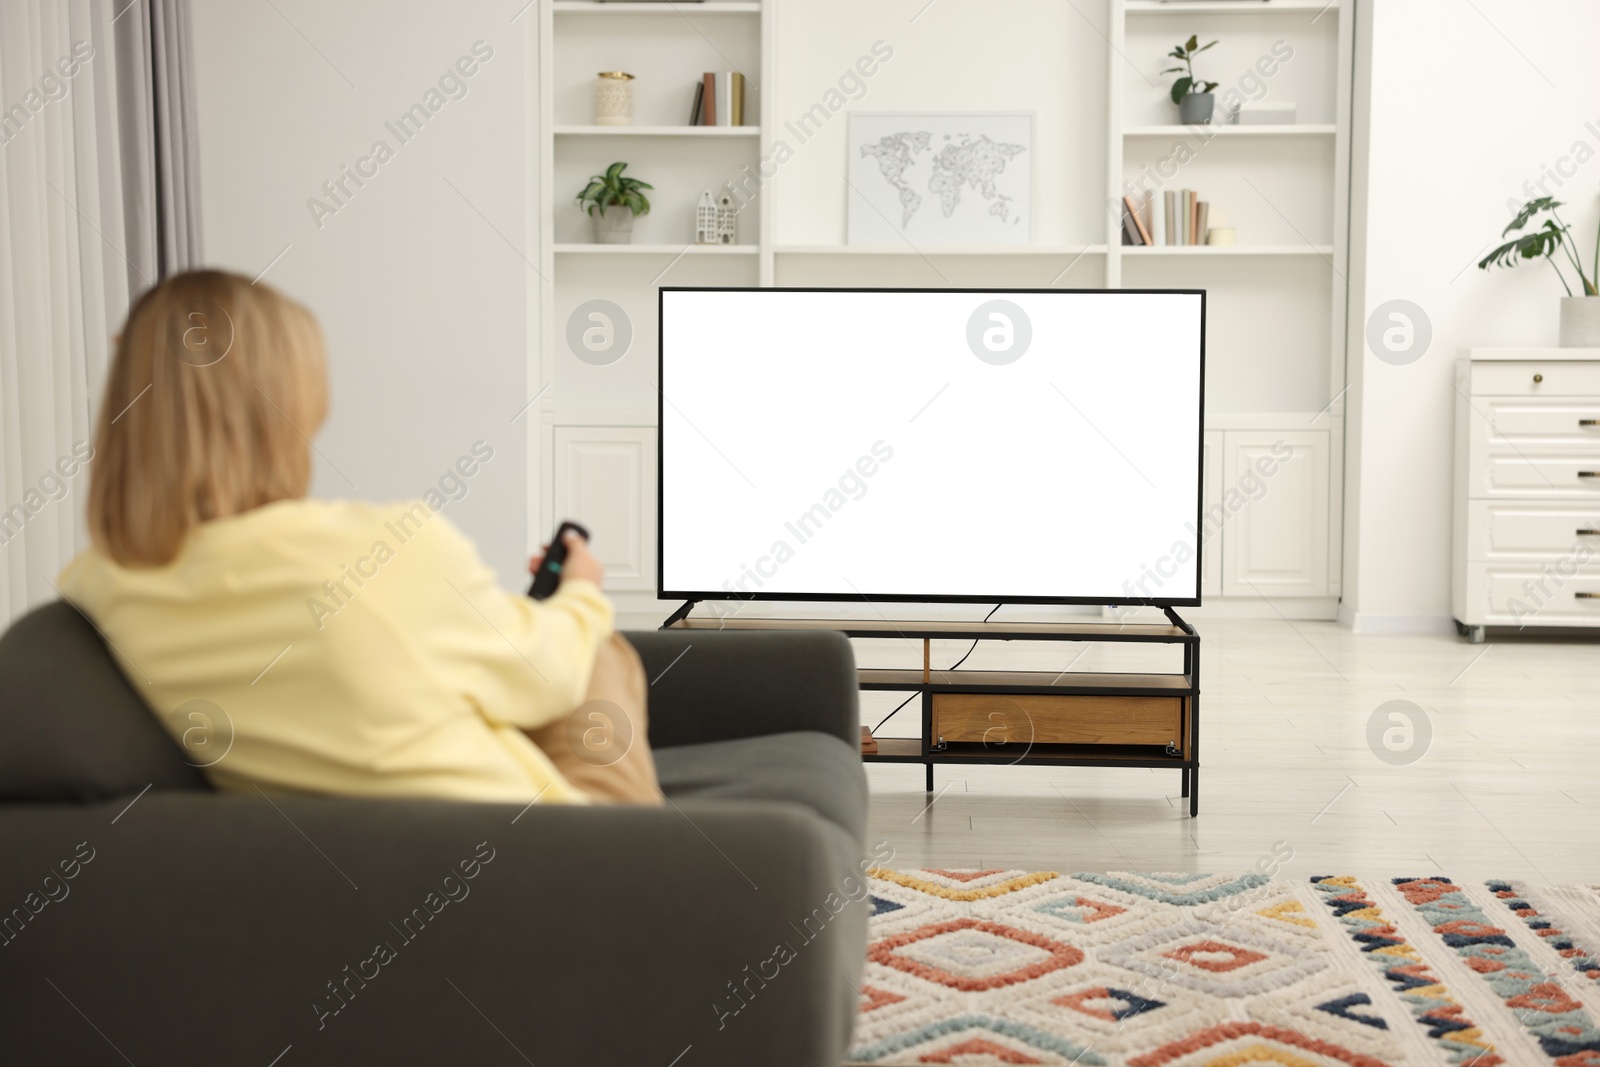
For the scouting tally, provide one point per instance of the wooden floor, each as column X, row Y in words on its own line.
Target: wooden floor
column 1509, row 785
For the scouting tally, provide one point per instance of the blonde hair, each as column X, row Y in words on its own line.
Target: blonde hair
column 215, row 390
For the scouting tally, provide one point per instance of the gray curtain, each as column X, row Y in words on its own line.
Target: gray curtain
column 156, row 116
column 98, row 200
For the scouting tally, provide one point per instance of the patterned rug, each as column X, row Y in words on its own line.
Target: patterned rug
column 1184, row 970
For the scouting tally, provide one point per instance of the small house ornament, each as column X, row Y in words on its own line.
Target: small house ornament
column 705, row 220
column 726, row 215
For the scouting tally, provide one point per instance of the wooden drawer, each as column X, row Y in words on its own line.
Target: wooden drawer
column 1567, row 476
column 1535, row 423
column 1512, row 530
column 1517, row 379
column 1058, row 720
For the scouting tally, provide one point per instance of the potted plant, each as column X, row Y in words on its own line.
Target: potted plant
column 612, row 201
column 1194, row 99
column 1580, row 315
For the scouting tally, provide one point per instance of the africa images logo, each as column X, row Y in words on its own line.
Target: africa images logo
column 999, row 332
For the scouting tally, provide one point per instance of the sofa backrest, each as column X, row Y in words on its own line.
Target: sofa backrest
column 71, row 726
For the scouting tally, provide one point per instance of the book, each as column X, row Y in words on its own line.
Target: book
column 1156, row 218
column 1183, row 216
column 1138, row 223
column 1193, row 216
column 708, row 110
column 738, row 99
column 1202, row 211
column 1170, row 202
column 1130, row 232
column 724, row 98
column 699, row 99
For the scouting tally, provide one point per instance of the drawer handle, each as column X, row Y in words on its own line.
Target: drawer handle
column 1589, row 474
column 1586, row 596
column 1589, row 422
column 1589, row 533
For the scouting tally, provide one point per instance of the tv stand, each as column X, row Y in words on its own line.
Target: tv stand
column 1028, row 718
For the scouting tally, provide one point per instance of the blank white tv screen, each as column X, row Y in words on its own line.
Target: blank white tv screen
column 1022, row 446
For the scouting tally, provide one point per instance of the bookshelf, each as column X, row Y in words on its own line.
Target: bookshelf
column 658, row 131
column 1231, row 7
column 1275, row 345
column 1230, row 132
column 1275, row 364
column 590, row 7
column 591, row 429
column 656, row 250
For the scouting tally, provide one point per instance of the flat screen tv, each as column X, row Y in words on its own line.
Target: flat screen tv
column 941, row 445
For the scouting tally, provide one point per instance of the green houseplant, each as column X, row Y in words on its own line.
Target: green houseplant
column 1580, row 312
column 612, row 200
column 1193, row 97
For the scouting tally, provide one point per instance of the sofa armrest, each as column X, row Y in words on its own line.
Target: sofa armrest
column 350, row 930
column 718, row 686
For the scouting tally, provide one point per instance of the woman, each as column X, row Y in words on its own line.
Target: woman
column 326, row 646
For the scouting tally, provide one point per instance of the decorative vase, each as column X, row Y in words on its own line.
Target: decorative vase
column 1196, row 108
column 1580, row 322
column 613, row 99
column 614, row 225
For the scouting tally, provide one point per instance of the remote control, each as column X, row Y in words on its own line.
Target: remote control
column 548, row 576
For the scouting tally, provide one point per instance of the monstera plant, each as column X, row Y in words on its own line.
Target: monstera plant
column 1554, row 241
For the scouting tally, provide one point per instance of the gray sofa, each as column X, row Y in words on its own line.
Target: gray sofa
column 145, row 918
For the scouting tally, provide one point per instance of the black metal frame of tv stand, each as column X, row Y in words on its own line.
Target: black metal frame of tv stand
column 929, row 751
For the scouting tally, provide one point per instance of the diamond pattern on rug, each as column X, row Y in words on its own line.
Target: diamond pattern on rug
column 973, row 955
column 1228, row 963
column 1193, row 970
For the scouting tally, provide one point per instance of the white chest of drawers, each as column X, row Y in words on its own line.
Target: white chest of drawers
column 1526, row 547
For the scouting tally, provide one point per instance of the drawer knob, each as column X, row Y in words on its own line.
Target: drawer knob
column 1537, row 378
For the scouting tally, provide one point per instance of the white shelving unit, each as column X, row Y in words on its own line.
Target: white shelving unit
column 1230, row 132
column 593, row 449
column 948, row 250
column 1275, row 364
column 1230, row 7
column 657, row 250
column 658, row 131
column 589, row 7
column 1274, row 379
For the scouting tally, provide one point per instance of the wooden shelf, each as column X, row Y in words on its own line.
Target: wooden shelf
column 959, row 631
column 587, row 7
column 909, row 750
column 948, row 250
column 657, row 131
column 1027, row 681
column 1308, row 129
column 1228, row 250
column 656, row 250
column 1223, row 7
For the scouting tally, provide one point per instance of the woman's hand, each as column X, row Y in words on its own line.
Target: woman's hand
column 581, row 563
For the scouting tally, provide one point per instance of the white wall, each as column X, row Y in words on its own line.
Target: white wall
column 421, row 289
column 428, row 306
column 998, row 55
column 1468, row 102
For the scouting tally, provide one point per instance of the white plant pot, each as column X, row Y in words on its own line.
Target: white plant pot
column 614, row 225
column 1580, row 322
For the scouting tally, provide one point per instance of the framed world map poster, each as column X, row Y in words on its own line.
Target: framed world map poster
column 940, row 178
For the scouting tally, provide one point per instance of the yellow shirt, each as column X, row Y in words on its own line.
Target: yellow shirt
column 353, row 649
